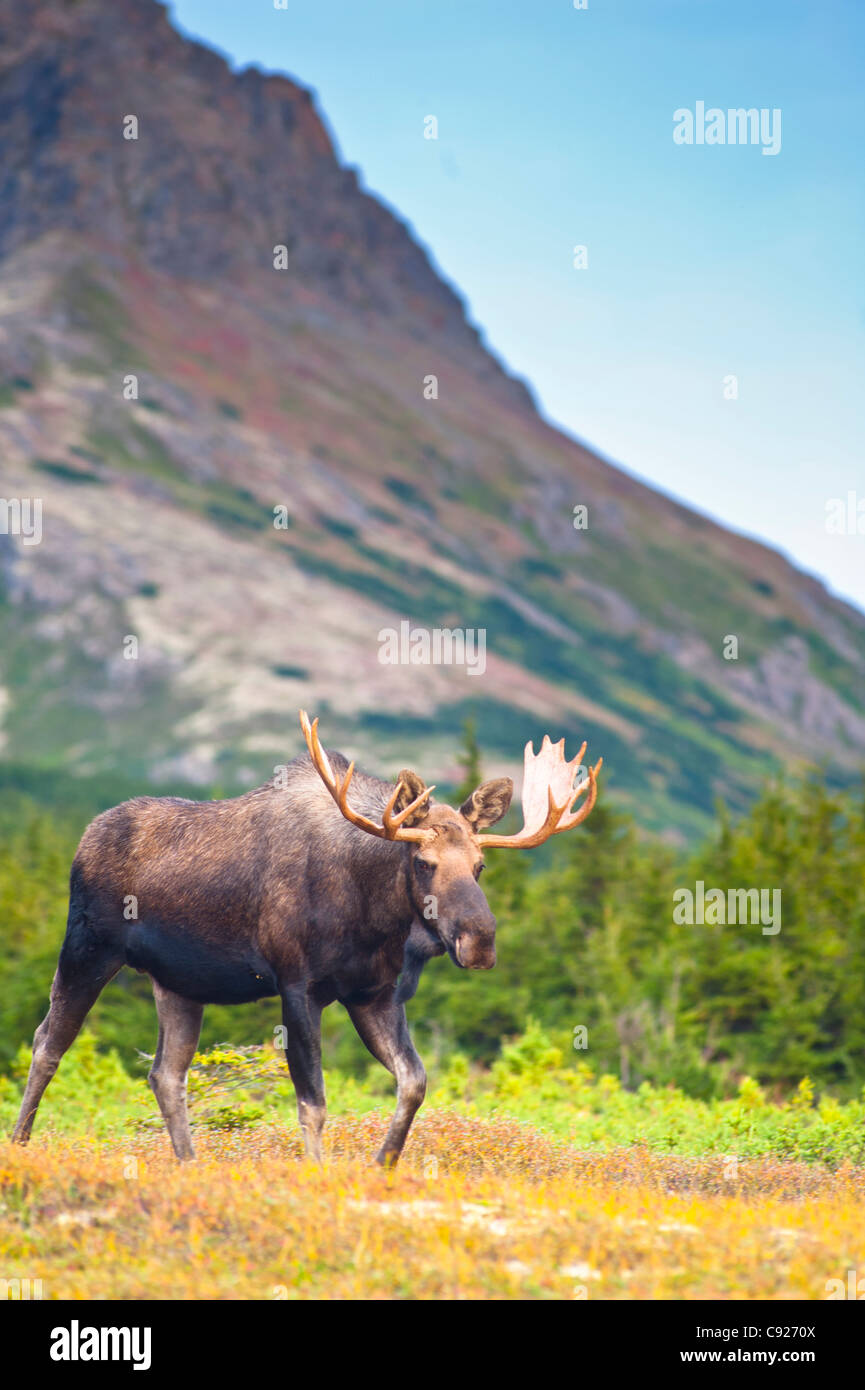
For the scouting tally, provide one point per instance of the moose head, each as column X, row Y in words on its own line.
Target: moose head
column 447, row 854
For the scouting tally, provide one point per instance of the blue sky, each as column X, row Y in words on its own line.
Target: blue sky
column 555, row 129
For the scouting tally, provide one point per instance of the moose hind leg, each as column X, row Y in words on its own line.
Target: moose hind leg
column 71, row 1002
column 301, row 1017
column 179, row 1031
column 383, row 1029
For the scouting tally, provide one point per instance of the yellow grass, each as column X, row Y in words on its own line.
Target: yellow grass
column 478, row 1209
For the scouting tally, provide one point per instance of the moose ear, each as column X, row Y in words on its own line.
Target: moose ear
column 488, row 803
column 412, row 787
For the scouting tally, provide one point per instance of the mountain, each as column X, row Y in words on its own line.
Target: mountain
column 303, row 395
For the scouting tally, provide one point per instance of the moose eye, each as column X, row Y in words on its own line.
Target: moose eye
column 424, row 867
column 479, row 868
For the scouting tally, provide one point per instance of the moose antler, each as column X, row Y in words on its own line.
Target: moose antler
column 549, row 795
column 393, row 826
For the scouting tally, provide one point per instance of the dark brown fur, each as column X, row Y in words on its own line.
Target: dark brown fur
column 271, row 893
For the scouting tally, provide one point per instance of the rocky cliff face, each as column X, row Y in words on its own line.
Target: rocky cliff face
column 167, row 393
column 225, row 167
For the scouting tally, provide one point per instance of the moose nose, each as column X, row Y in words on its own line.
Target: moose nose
column 475, row 952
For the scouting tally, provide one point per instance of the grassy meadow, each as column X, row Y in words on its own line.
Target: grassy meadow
column 531, row 1179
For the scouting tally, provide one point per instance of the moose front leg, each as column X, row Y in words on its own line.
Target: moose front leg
column 383, row 1028
column 301, row 1017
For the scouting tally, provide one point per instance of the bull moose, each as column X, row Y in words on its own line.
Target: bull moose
column 281, row 892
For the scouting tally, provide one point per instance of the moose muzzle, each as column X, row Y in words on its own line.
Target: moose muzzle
column 474, row 942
